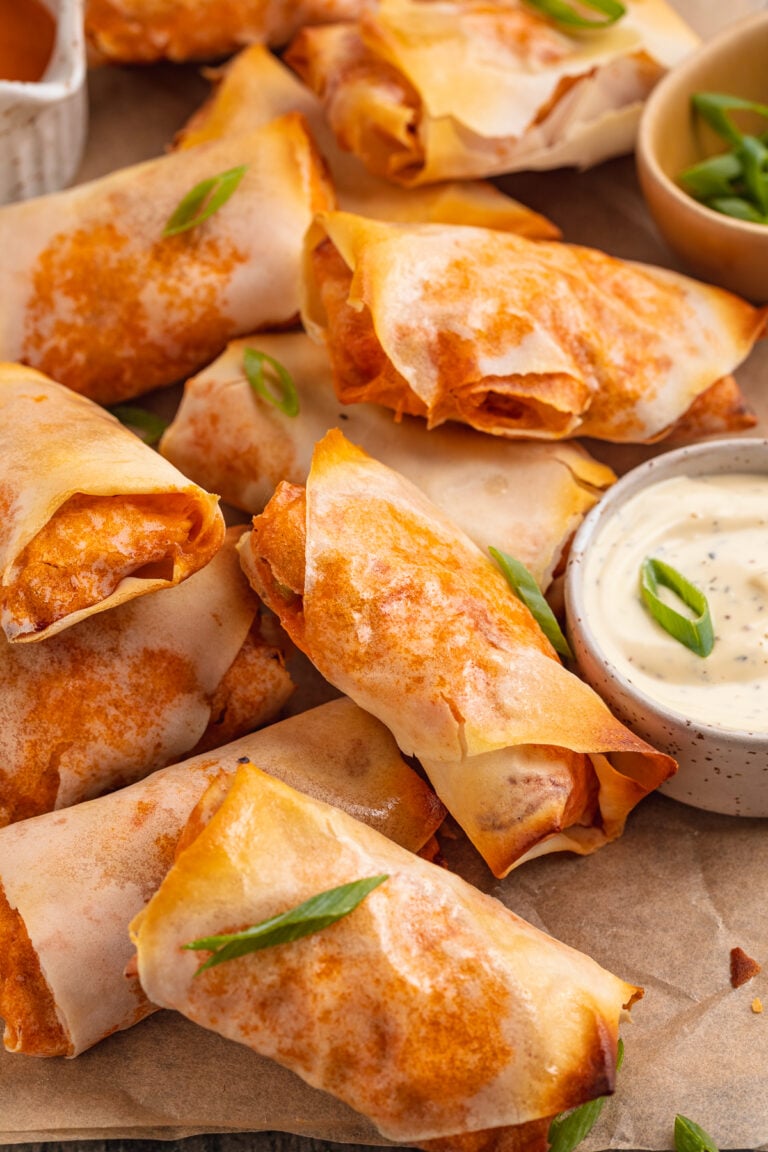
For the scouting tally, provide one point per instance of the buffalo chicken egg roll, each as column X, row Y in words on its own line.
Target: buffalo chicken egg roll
column 91, row 517
column 142, row 31
column 255, row 87
column 127, row 691
column 93, row 293
column 526, row 498
column 430, row 1008
column 445, row 90
column 70, row 882
column 523, row 338
column 402, row 612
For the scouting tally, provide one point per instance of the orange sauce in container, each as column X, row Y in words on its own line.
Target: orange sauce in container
column 27, row 36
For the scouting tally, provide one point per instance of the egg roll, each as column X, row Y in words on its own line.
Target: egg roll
column 526, row 498
column 430, row 1008
column 142, row 31
column 441, row 91
column 91, row 517
column 71, row 882
column 94, row 295
column 523, row 338
column 133, row 689
column 402, row 612
column 256, row 86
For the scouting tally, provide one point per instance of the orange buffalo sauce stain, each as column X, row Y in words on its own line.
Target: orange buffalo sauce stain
column 27, row 35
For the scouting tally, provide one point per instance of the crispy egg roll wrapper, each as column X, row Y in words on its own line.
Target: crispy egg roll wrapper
column 430, row 1008
column 523, row 338
column 403, row 613
column 93, row 295
column 440, row 91
column 142, row 31
column 90, row 517
column 526, row 498
column 128, row 691
column 70, row 882
column 255, row 87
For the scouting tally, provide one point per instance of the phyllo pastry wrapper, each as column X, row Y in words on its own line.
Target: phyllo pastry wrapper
column 141, row 31
column 255, row 87
column 127, row 691
column 430, row 1008
column 403, row 613
column 525, row 498
column 71, row 882
column 96, row 297
column 523, row 338
column 435, row 91
column 90, row 516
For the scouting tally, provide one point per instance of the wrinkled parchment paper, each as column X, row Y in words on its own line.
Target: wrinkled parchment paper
column 662, row 907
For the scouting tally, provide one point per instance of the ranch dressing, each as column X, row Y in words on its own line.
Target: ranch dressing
column 714, row 531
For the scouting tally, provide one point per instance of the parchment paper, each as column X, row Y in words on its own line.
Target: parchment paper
column 662, row 907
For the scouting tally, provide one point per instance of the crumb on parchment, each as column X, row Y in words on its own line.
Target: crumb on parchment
column 743, row 967
column 757, row 1005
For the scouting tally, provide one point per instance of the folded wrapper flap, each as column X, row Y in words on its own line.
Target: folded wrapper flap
column 430, row 1008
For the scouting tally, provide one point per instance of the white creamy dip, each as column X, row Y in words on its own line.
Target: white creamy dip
column 714, row 531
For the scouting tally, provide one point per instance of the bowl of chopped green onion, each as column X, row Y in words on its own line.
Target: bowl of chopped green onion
column 702, row 156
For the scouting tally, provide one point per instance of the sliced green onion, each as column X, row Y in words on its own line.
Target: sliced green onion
column 304, row 920
column 287, row 399
column 690, row 1137
column 147, row 425
column 695, row 633
column 526, row 589
column 203, row 200
column 713, row 107
column 736, row 183
column 753, row 155
column 737, row 207
column 568, row 1129
column 564, row 12
column 713, row 177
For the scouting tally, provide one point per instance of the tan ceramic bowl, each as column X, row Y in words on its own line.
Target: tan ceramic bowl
column 721, row 770
column 717, row 248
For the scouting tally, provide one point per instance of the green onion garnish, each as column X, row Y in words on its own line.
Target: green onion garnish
column 312, row 916
column 203, row 200
column 696, row 632
column 147, row 425
column 526, row 589
column 568, row 1129
column 287, row 399
column 736, row 182
column 690, row 1137
column 565, row 13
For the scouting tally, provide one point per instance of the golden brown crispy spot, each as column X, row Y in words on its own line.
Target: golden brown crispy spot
column 721, row 408
column 88, row 327
column 26, row 1001
column 88, row 546
column 743, row 967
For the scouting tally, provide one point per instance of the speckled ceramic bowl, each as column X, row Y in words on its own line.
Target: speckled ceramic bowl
column 43, row 124
column 722, row 770
column 717, row 248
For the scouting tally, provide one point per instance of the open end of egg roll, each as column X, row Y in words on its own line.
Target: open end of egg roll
column 91, row 544
column 26, row 1002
